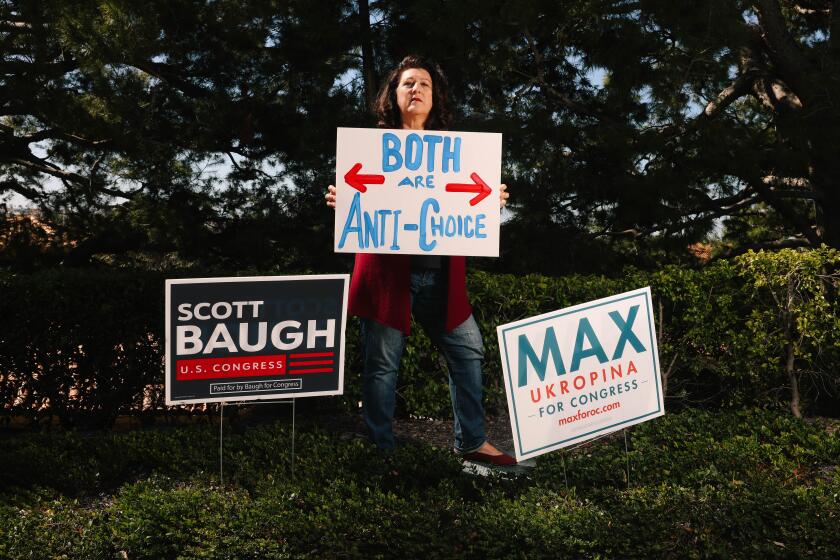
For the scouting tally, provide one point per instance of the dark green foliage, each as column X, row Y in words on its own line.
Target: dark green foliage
column 173, row 128
column 87, row 345
column 80, row 344
column 73, row 463
column 206, row 130
column 738, row 485
column 723, row 330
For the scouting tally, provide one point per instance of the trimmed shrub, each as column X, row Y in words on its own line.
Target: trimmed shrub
column 79, row 344
column 748, row 484
column 761, row 329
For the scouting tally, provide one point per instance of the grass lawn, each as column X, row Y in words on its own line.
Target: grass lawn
column 748, row 484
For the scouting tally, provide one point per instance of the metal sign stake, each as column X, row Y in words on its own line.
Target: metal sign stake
column 627, row 456
column 222, row 433
column 221, row 439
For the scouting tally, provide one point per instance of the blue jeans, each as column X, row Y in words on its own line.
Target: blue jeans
column 382, row 348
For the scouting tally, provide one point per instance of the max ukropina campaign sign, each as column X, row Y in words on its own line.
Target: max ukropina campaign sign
column 248, row 338
column 581, row 372
column 417, row 192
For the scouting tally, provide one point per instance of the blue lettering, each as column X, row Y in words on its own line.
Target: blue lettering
column 450, row 154
column 394, row 245
column 393, row 159
column 627, row 334
column 479, row 226
column 585, row 332
column 437, row 226
column 383, row 214
column 451, row 224
column 371, row 225
column 528, row 355
column 413, row 152
column 391, row 150
column 431, row 140
column 354, row 217
column 424, row 210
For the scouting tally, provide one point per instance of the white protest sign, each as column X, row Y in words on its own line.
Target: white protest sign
column 417, row 192
column 577, row 373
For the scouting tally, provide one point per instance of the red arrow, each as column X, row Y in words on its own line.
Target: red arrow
column 478, row 186
column 357, row 181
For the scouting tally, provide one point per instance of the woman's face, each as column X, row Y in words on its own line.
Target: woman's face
column 414, row 95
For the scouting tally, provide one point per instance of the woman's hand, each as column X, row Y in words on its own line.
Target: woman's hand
column 503, row 195
column 330, row 197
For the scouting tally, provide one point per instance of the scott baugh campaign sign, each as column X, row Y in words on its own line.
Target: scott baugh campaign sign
column 417, row 192
column 239, row 339
column 581, row 372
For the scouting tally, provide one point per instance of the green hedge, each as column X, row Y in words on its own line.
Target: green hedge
column 79, row 344
column 746, row 484
column 86, row 345
column 725, row 331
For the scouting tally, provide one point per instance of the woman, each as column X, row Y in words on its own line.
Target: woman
column 386, row 289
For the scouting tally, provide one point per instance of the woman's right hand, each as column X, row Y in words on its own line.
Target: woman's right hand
column 330, row 197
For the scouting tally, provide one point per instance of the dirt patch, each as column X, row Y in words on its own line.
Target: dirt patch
column 437, row 433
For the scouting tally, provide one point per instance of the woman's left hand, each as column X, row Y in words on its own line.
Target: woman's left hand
column 503, row 195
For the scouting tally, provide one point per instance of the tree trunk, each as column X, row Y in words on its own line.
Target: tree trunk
column 665, row 373
column 368, row 69
column 790, row 354
column 794, row 383
column 826, row 179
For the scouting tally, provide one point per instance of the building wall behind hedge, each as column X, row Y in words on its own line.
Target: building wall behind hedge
column 87, row 344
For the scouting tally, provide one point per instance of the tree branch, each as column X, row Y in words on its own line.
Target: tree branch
column 784, row 52
column 737, row 89
column 368, row 69
column 795, row 182
column 48, row 169
column 38, row 136
column 10, row 26
column 741, row 86
column 233, row 161
column 775, row 95
column 834, row 30
column 13, row 107
column 559, row 96
column 789, row 243
column 69, row 178
column 168, row 74
column 728, row 205
column 810, row 11
column 26, row 192
column 715, row 209
column 785, row 211
column 54, row 133
column 812, row 7
column 792, row 193
column 50, row 68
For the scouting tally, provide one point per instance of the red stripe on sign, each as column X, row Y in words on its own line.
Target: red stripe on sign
column 314, row 370
column 223, row 368
column 313, row 355
column 310, row 363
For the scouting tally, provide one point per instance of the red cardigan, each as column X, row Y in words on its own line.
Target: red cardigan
column 379, row 290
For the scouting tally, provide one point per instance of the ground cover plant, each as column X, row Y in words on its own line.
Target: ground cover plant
column 702, row 484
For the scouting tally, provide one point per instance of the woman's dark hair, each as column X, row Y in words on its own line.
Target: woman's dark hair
column 387, row 111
